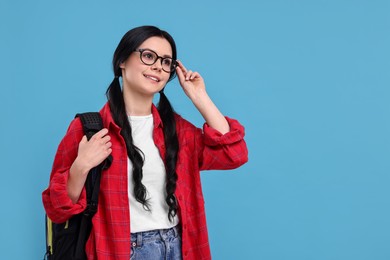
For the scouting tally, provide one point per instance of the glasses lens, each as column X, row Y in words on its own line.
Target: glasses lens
column 168, row 64
column 148, row 57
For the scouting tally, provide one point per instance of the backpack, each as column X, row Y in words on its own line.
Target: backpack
column 66, row 241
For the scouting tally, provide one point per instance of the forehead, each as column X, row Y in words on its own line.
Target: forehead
column 158, row 44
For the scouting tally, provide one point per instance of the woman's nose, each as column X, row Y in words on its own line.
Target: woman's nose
column 157, row 65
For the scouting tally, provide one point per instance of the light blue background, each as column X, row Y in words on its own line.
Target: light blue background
column 310, row 80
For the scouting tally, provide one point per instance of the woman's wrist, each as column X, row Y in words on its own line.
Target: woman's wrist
column 79, row 168
column 201, row 99
column 78, row 173
column 213, row 117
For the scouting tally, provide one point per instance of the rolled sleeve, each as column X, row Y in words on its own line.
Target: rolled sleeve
column 59, row 194
column 213, row 137
column 219, row 151
column 57, row 203
column 59, row 207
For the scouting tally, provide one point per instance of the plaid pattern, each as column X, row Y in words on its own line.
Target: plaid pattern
column 110, row 236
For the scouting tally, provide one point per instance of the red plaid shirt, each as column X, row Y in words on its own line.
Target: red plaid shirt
column 110, row 236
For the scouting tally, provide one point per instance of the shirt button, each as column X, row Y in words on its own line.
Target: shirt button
column 134, row 244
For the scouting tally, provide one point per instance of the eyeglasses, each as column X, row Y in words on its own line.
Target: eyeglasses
column 149, row 57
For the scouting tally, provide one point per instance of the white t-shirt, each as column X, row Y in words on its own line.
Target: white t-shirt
column 154, row 179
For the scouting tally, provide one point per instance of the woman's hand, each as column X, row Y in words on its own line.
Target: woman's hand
column 90, row 154
column 194, row 87
column 191, row 82
column 93, row 152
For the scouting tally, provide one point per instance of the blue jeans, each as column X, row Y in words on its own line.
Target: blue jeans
column 163, row 244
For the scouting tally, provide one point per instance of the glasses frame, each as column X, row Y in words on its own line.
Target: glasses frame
column 173, row 64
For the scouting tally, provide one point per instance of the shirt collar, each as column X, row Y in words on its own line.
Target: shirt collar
column 156, row 117
column 108, row 120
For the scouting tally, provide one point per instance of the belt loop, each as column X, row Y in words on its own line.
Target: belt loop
column 176, row 231
column 139, row 239
column 162, row 234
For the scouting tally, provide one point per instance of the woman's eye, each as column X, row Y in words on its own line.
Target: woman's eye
column 167, row 62
column 148, row 55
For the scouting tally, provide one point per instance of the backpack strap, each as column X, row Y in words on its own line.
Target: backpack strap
column 92, row 123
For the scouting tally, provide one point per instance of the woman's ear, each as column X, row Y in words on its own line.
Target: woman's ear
column 122, row 65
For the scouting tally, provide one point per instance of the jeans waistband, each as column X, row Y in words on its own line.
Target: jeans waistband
column 137, row 239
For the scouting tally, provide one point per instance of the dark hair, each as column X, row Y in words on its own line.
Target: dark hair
column 130, row 42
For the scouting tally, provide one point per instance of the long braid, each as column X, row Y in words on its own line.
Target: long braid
column 172, row 146
column 117, row 106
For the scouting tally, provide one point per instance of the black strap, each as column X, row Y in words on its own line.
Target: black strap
column 92, row 123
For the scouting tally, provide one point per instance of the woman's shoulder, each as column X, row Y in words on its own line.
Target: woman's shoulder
column 74, row 131
column 75, row 124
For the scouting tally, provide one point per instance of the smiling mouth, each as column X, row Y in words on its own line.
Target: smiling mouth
column 152, row 78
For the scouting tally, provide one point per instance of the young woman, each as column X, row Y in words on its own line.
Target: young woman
column 150, row 202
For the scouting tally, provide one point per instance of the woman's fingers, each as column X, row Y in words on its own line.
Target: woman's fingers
column 94, row 151
column 184, row 74
column 190, row 81
column 192, row 75
column 102, row 133
column 189, row 75
column 101, row 137
column 181, row 72
column 181, row 66
column 84, row 140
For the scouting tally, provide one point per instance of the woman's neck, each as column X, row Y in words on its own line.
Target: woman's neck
column 137, row 105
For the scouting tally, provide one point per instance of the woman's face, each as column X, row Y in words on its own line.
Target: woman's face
column 146, row 79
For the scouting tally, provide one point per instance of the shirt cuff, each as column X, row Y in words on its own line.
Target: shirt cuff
column 60, row 198
column 213, row 137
